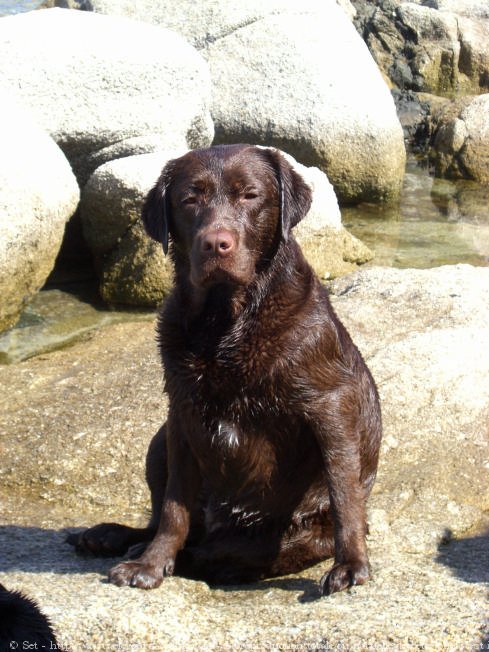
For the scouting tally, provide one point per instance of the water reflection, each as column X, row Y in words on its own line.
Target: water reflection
column 437, row 222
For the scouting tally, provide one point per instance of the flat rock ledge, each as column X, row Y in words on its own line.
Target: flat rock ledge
column 75, row 424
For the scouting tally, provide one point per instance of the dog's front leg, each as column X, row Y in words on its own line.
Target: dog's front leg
column 158, row 560
column 339, row 440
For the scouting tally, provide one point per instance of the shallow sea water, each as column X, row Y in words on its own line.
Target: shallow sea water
column 61, row 315
column 436, row 222
column 18, row 6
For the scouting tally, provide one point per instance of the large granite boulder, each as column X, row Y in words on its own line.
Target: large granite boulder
column 439, row 46
column 427, row 340
column 295, row 77
column 277, row 86
column 131, row 266
column 424, row 335
column 38, row 194
column 200, row 23
column 460, row 147
column 105, row 86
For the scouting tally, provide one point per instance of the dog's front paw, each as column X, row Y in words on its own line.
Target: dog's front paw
column 342, row 576
column 139, row 573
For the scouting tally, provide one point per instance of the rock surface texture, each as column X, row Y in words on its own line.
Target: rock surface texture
column 441, row 46
column 461, row 140
column 424, row 335
column 298, row 78
column 95, row 81
column 131, row 266
column 277, row 87
column 38, row 194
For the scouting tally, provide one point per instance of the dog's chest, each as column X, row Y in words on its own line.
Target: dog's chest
column 226, row 437
column 244, row 431
column 235, row 459
column 227, row 388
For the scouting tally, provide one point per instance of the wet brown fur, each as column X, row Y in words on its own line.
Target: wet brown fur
column 271, row 444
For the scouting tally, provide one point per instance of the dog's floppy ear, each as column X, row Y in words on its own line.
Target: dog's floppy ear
column 295, row 195
column 156, row 212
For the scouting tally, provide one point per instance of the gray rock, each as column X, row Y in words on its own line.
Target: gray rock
column 436, row 47
column 132, row 268
column 274, row 88
column 414, row 117
column 38, row 194
column 468, row 8
column 429, row 353
column 95, row 81
column 435, row 62
column 113, row 197
column 274, row 84
column 461, row 141
column 474, row 54
column 425, row 338
column 347, row 7
column 84, row 5
column 328, row 246
column 202, row 23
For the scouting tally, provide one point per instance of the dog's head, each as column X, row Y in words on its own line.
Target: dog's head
column 227, row 209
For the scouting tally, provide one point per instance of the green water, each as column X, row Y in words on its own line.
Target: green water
column 58, row 317
column 435, row 223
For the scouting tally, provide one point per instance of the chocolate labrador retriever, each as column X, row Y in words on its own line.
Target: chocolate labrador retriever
column 271, row 444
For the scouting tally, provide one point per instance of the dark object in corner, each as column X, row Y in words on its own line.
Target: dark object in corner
column 23, row 626
column 271, row 445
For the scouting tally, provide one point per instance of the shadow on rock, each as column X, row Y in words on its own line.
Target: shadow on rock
column 468, row 558
column 42, row 550
column 310, row 588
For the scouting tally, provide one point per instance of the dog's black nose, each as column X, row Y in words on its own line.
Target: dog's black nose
column 218, row 243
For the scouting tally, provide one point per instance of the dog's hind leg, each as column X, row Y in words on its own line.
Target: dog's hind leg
column 108, row 539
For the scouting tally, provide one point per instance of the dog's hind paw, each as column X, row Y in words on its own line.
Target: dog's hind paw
column 104, row 540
